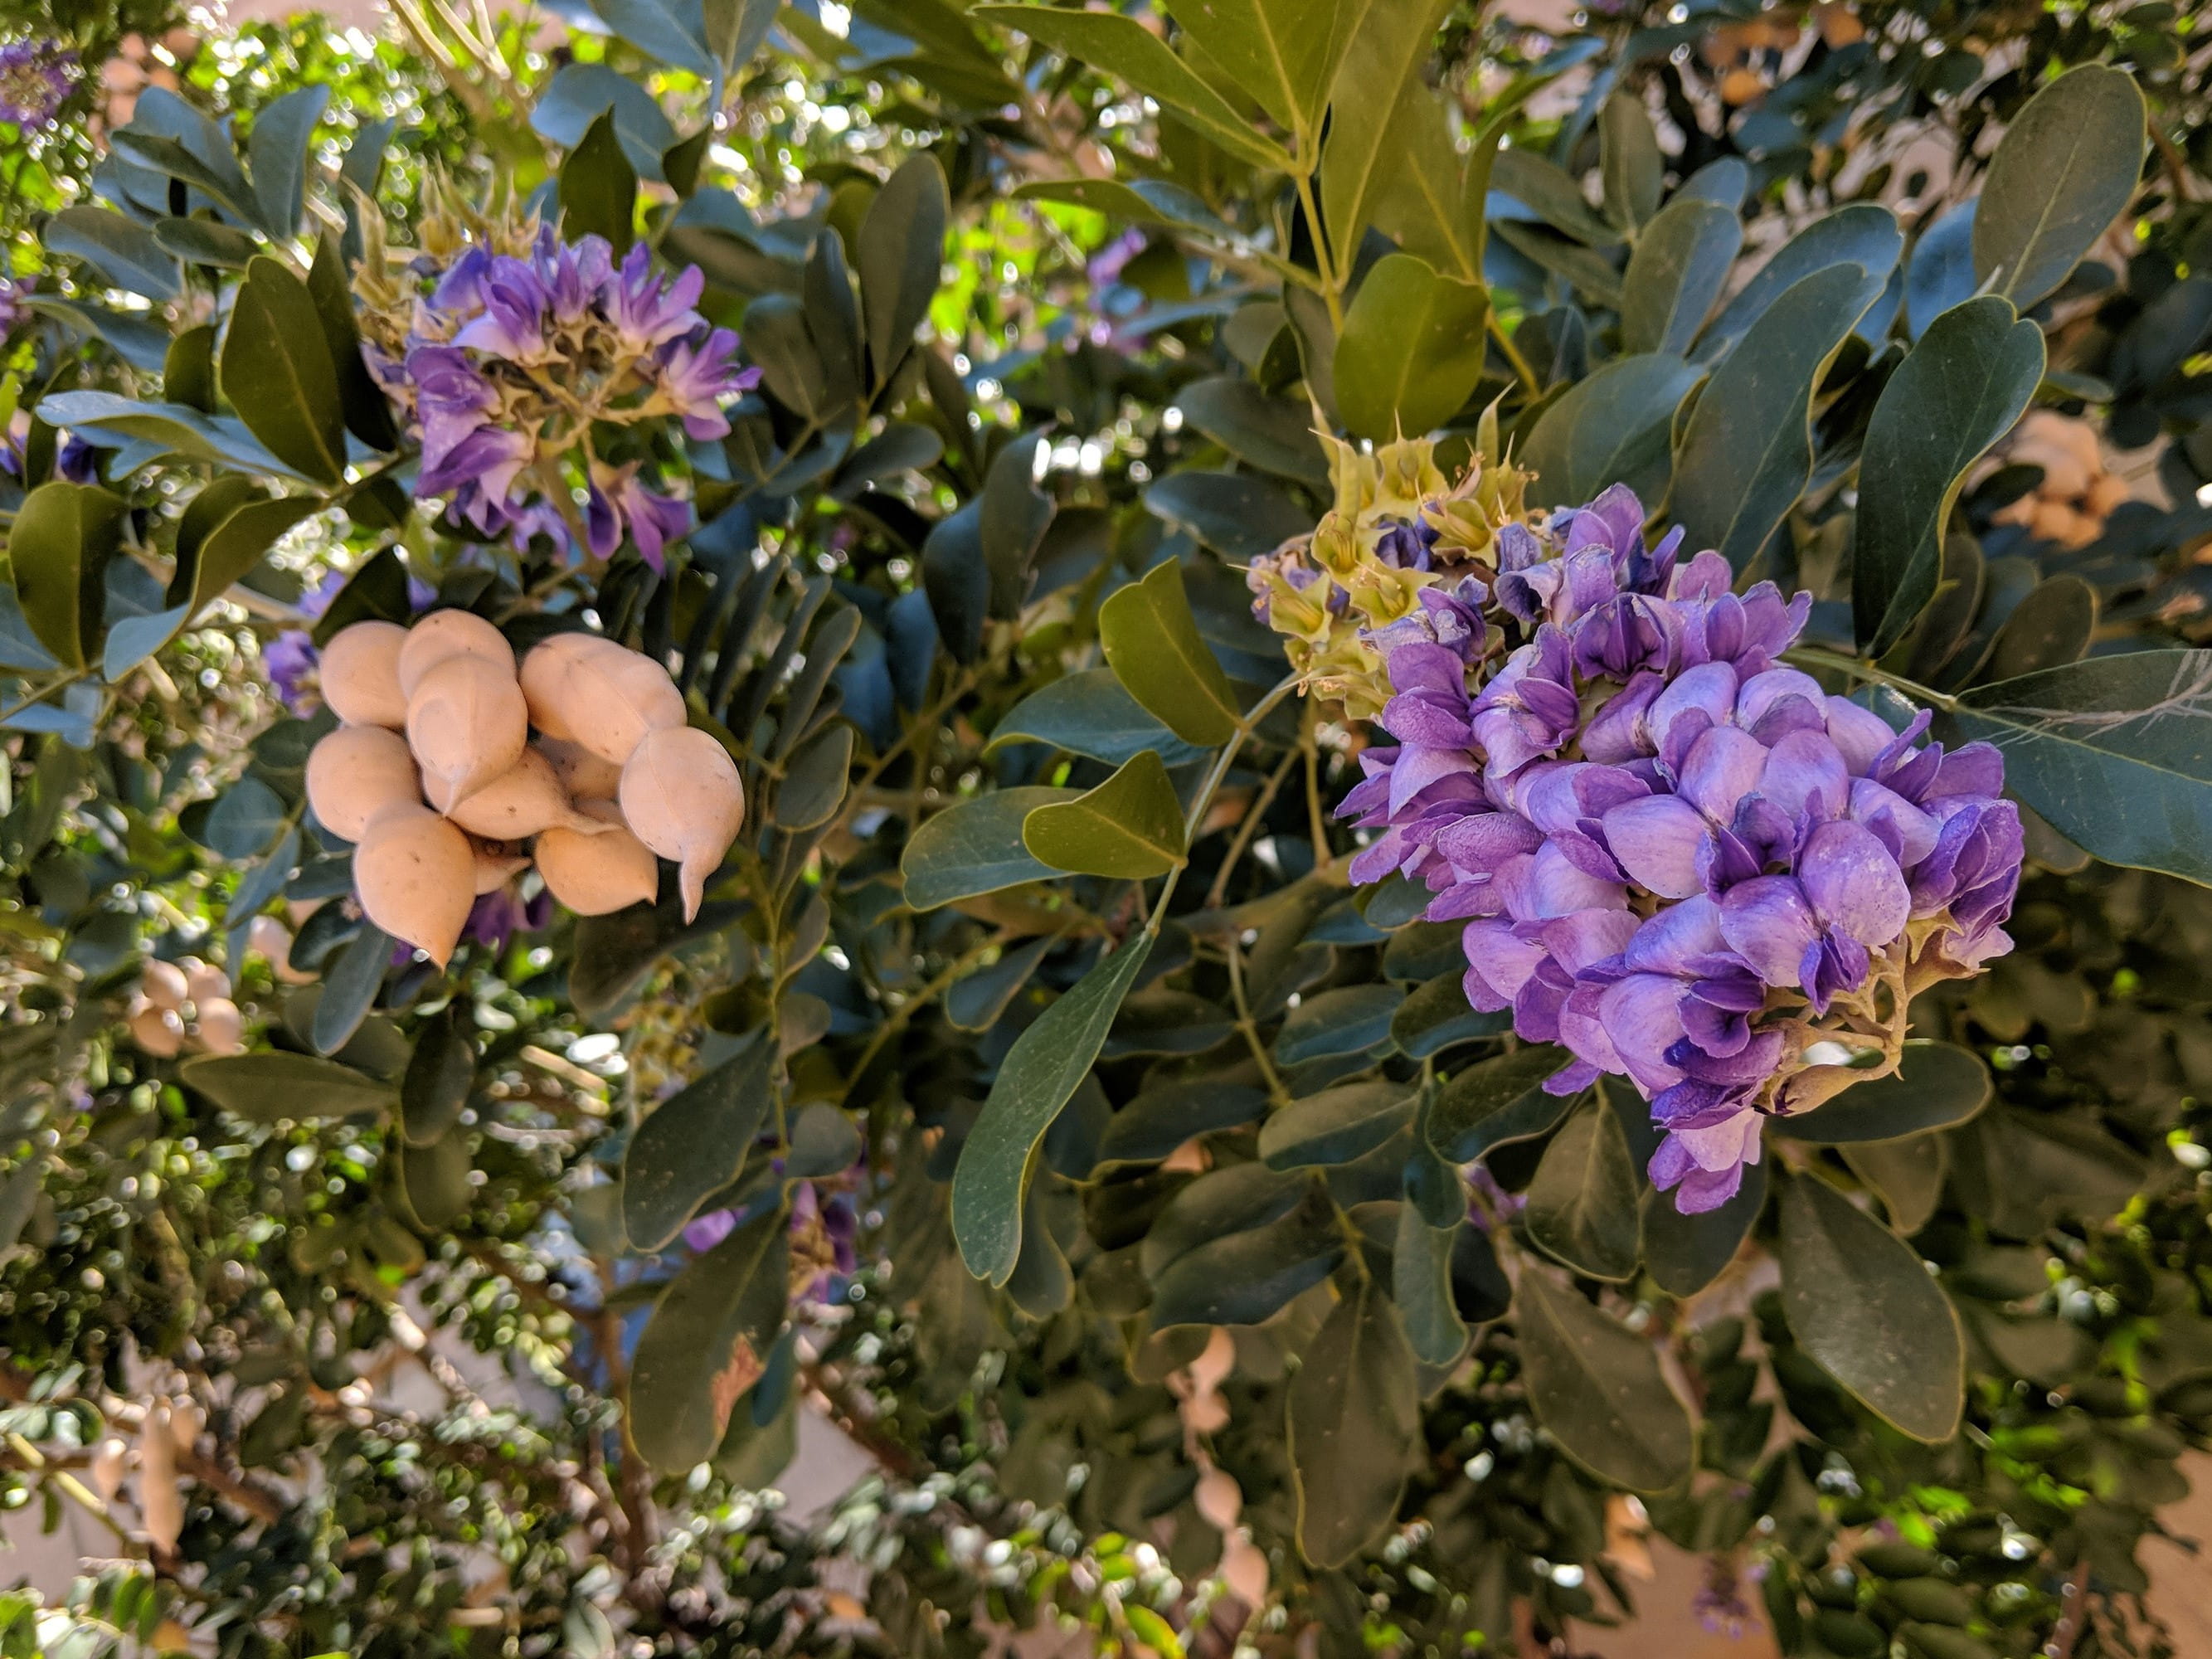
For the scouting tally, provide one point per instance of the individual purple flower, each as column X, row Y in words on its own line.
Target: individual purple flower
column 695, row 377
column 704, row 1231
column 77, row 460
column 616, row 499
column 646, row 312
column 36, row 78
column 512, row 324
column 496, row 917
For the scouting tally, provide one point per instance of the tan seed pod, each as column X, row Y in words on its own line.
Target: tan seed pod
column 2065, row 475
column 270, row 938
column 360, row 673
column 545, row 667
column 584, row 775
column 417, row 879
column 1220, row 1500
column 160, row 1504
column 157, row 1030
column 357, row 774
column 466, row 724
column 220, row 1027
column 1245, row 1569
column 592, row 875
column 498, row 862
column 681, row 796
column 109, row 1464
column 2048, row 426
column 604, row 696
column 522, row 800
column 163, row 983
column 2107, row 491
column 203, row 981
column 444, row 634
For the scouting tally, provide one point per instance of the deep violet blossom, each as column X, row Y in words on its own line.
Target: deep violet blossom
column 1680, row 860
column 526, row 352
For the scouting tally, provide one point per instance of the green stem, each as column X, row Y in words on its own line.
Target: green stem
column 1530, row 385
column 1812, row 656
column 42, row 693
column 1212, row 786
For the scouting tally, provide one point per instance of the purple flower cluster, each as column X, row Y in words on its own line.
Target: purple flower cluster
column 36, row 78
column 511, row 359
column 1684, row 862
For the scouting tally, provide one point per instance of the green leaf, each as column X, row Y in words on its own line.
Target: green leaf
column 19, row 1196
column 1166, row 1115
column 1861, row 235
column 1347, row 1020
column 440, row 1074
column 168, row 157
column 1632, row 169
column 1354, row 1415
column 1335, row 1127
column 665, row 29
column 778, row 340
column 1248, row 1275
column 709, row 1333
column 1437, row 1015
column 1680, row 265
column 598, row 187
column 1684, row 1253
column 349, row 987
column 218, row 439
column 1498, row 1101
column 1550, row 191
column 1270, row 432
column 1380, row 66
column 566, row 109
column 1420, row 1284
column 244, row 820
column 1234, row 514
column 2066, row 168
column 824, row 1141
column 1130, row 827
column 1123, row 47
column 902, row 245
column 2052, row 626
column 1411, row 350
column 974, row 848
column 211, row 563
column 277, row 150
column 975, row 1001
column 2112, row 750
column 1140, row 201
column 1616, row 427
column 269, row 1088
column 1936, row 1085
column 140, row 340
column 433, row 1182
column 58, row 550
column 121, row 249
column 1153, row 643
column 814, row 783
column 612, row 954
column 1956, row 393
column 1283, row 52
column 1040, row 1071
column 1091, row 713
column 278, row 375
column 1582, row 1205
column 188, row 369
column 694, row 1145
column 1747, row 453
column 1861, row 1305
column 1015, row 515
column 1907, row 1175
column 1598, row 1387
column 735, row 29
column 1432, row 208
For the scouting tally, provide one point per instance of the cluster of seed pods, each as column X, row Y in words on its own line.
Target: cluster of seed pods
column 186, row 1004
column 456, row 768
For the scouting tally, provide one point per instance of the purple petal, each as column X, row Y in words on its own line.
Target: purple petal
column 1854, row 884
column 1768, row 921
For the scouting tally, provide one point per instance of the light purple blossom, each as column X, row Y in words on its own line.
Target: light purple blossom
column 646, row 314
column 694, row 379
column 498, row 916
column 1676, row 858
column 36, row 78
column 291, row 660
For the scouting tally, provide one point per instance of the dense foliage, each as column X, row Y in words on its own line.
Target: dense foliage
column 1112, row 483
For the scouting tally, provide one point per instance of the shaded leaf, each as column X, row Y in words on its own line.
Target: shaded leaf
column 1496, row 1102
column 2067, row 167
column 278, row 372
column 974, row 848
column 1411, row 350
column 1354, row 1422
column 695, row 1144
column 1598, row 1387
column 1616, row 427
column 1153, row 643
column 268, row 1088
column 1129, row 827
column 706, row 1344
column 1936, row 1085
column 1582, row 1205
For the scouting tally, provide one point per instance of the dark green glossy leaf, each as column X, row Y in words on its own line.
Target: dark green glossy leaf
column 598, row 186
column 1247, row 1276
column 278, row 372
column 1937, row 1084
column 1956, row 393
column 1861, row 235
column 1420, row 1284
column 1153, row 643
column 1016, row 515
column 1092, row 714
column 1598, row 1387
column 439, row 1075
column 1271, row 433
column 121, row 249
column 1630, row 164
column 433, row 1182
column 1234, row 514
column 1354, row 1420
column 1437, row 1015
column 1861, row 1305
column 57, row 550
column 1164, row 1116
column 565, row 110
column 188, row 370
column 974, row 848
column 974, row 1003
column 1411, row 351
column 901, row 244
column 695, row 1143
column 1582, row 1205
column 278, row 149
column 1336, row 1126
column 1496, row 1102
column 1680, row 265
column 349, row 987
column 1346, row 1020
column 1747, row 453
column 268, row 1088
column 1130, row 827
column 1552, row 193
column 814, row 785
column 1616, row 427
column 1684, row 1253
column 711, row 1329
column 2112, row 750
column 2067, row 167
column 2052, row 626
column 1039, row 1073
